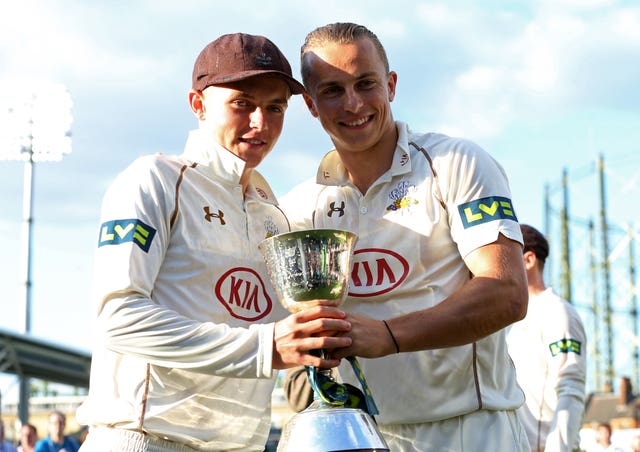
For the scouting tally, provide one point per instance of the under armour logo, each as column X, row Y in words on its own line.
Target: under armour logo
column 333, row 207
column 209, row 215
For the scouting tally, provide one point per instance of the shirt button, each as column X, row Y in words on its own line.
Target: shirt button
column 363, row 209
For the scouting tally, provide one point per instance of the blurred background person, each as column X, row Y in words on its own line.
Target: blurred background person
column 56, row 440
column 5, row 446
column 603, row 440
column 28, row 438
column 548, row 348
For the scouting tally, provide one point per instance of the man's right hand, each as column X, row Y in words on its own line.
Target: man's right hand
column 311, row 329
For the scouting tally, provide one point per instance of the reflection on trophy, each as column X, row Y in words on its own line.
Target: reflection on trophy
column 315, row 265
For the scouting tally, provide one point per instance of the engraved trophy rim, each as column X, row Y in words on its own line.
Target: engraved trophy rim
column 309, row 264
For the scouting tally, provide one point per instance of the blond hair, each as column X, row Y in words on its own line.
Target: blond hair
column 341, row 33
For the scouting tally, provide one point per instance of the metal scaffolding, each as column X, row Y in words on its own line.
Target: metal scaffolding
column 603, row 284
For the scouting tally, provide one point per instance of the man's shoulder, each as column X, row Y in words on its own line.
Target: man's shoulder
column 158, row 160
column 150, row 167
column 71, row 441
column 441, row 143
column 41, row 445
column 556, row 301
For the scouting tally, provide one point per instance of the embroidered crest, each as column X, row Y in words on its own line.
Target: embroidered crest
column 263, row 59
column 400, row 196
column 270, row 228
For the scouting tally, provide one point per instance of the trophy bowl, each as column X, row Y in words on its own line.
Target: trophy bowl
column 307, row 265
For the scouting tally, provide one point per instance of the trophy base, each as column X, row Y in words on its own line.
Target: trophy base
column 326, row 428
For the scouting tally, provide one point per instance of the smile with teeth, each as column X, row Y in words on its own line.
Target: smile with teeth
column 357, row 122
column 246, row 140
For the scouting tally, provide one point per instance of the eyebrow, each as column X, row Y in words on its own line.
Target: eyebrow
column 358, row 77
column 278, row 100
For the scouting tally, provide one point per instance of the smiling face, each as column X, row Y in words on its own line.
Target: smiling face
column 244, row 117
column 350, row 92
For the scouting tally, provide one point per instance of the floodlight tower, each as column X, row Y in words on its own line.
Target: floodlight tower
column 36, row 128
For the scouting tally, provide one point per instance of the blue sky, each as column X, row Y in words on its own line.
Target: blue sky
column 542, row 85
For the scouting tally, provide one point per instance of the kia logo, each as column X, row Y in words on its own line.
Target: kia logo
column 376, row 271
column 242, row 293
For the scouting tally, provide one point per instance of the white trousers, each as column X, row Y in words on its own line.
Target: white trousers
column 103, row 439
column 480, row 431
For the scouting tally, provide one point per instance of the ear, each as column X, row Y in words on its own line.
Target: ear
column 310, row 105
column 530, row 260
column 196, row 103
column 392, row 79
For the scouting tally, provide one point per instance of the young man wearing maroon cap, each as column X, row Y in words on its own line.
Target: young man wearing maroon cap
column 188, row 330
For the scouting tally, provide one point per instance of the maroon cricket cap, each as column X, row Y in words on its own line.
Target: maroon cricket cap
column 238, row 56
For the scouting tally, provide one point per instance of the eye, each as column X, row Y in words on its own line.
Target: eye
column 240, row 103
column 366, row 84
column 277, row 108
column 332, row 90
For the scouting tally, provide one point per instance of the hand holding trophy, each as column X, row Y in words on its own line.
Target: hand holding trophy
column 307, row 267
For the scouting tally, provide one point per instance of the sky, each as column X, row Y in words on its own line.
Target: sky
column 544, row 86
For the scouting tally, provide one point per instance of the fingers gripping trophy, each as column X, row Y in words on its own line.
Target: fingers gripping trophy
column 313, row 265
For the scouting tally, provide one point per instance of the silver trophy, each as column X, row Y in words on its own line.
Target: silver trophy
column 313, row 265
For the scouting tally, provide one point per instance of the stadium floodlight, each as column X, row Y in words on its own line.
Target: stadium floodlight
column 35, row 126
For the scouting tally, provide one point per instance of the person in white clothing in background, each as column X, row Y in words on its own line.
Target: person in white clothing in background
column 549, row 350
column 189, row 331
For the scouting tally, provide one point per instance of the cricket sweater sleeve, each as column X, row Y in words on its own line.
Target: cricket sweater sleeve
column 476, row 191
column 134, row 325
column 567, row 366
column 130, row 320
column 565, row 428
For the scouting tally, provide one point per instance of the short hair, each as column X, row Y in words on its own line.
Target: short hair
column 58, row 414
column 604, row 425
column 535, row 242
column 30, row 427
column 341, row 33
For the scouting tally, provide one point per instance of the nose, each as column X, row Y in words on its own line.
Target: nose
column 352, row 100
column 256, row 119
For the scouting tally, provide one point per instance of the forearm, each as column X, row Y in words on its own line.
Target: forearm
column 136, row 326
column 480, row 308
column 496, row 297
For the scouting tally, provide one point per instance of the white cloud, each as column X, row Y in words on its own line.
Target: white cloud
column 625, row 23
column 564, row 55
column 578, row 5
column 480, row 78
